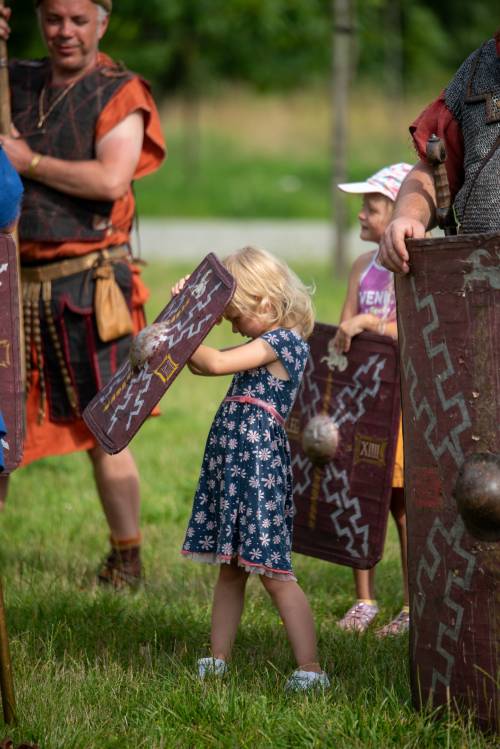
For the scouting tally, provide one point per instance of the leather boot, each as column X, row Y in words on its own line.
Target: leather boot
column 122, row 567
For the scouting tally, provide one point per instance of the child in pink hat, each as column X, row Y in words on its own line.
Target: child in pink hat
column 370, row 305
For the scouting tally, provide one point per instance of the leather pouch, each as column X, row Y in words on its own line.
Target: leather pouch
column 112, row 314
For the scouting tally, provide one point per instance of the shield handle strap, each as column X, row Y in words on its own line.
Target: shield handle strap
column 436, row 156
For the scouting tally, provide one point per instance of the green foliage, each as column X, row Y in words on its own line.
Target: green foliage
column 189, row 44
column 186, row 44
column 428, row 48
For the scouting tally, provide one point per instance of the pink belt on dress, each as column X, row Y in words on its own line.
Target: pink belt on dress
column 257, row 402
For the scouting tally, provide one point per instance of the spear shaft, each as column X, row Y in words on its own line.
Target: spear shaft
column 6, row 680
column 5, row 113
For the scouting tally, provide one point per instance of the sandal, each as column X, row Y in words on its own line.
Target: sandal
column 398, row 626
column 359, row 617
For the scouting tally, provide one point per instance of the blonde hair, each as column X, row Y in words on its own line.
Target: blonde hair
column 268, row 289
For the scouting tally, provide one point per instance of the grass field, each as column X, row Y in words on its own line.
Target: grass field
column 94, row 670
column 269, row 156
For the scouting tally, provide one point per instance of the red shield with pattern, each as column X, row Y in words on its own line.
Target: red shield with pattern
column 11, row 380
column 449, row 333
column 342, row 499
column 119, row 409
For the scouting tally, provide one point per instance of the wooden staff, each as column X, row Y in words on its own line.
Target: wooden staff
column 5, row 129
column 6, row 680
column 4, row 88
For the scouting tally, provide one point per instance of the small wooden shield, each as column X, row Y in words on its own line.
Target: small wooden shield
column 342, row 506
column 11, row 381
column 449, row 332
column 118, row 410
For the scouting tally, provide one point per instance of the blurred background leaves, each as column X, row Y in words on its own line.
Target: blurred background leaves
column 279, row 44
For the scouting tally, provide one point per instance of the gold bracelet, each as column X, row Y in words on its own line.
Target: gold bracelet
column 34, row 164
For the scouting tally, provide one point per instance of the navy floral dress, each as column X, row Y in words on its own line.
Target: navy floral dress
column 243, row 506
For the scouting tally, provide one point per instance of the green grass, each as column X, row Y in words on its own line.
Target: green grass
column 95, row 670
column 270, row 156
column 232, row 182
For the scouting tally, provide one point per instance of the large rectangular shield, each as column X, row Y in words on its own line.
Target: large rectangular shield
column 449, row 333
column 11, row 380
column 118, row 410
column 342, row 506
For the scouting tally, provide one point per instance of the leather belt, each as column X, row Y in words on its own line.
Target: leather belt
column 69, row 266
column 257, row 402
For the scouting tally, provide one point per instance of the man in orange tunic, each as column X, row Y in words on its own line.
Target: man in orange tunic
column 84, row 129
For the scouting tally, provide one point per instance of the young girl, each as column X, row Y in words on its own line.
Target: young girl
column 242, row 510
column 371, row 305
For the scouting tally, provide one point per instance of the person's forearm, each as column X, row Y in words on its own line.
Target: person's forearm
column 84, row 179
column 417, row 197
column 194, row 370
column 387, row 328
column 205, row 360
column 378, row 325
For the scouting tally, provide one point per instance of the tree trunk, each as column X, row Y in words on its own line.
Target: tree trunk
column 341, row 72
column 394, row 72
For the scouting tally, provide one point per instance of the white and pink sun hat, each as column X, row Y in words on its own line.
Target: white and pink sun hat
column 386, row 181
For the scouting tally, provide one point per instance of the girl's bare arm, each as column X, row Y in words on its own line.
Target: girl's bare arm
column 211, row 361
column 350, row 307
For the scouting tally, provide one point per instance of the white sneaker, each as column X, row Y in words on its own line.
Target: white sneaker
column 211, row 667
column 302, row 680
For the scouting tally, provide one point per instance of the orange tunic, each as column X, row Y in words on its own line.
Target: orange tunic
column 49, row 438
column 398, row 474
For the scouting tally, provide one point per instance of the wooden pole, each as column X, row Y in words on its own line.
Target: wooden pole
column 342, row 31
column 5, row 129
column 4, row 88
column 6, row 680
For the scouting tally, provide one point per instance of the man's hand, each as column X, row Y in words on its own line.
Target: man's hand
column 19, row 153
column 393, row 254
column 5, row 13
column 107, row 177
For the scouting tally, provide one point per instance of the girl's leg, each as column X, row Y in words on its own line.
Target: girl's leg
column 227, row 608
column 401, row 622
column 364, row 581
column 296, row 615
column 399, row 515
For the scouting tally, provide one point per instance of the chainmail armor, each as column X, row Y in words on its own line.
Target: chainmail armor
column 473, row 97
